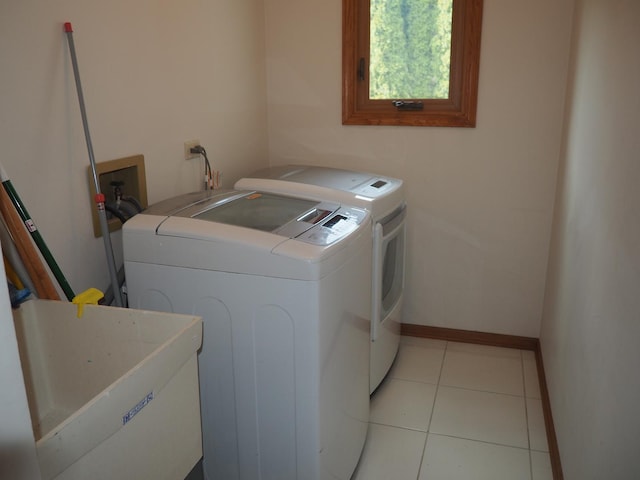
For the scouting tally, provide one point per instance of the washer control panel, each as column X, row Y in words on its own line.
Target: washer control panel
column 340, row 224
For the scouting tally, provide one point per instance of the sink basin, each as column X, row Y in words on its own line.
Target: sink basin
column 113, row 394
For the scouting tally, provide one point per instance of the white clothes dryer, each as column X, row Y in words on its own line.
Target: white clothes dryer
column 384, row 198
column 282, row 286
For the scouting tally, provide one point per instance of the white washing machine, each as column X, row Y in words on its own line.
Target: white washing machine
column 282, row 284
column 384, row 198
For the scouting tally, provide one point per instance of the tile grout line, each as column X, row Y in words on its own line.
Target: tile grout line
column 497, row 444
column 482, row 391
column 433, row 408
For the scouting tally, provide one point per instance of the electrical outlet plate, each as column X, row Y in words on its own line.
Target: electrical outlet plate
column 188, row 145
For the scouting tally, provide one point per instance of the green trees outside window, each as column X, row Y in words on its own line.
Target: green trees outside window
column 410, row 49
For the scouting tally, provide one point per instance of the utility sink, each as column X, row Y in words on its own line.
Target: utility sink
column 113, row 394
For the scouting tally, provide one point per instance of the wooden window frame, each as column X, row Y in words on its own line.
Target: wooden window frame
column 459, row 110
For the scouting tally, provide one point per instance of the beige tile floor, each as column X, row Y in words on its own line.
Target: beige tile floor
column 455, row 411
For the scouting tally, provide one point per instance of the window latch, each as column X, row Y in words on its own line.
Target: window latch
column 361, row 69
column 408, row 105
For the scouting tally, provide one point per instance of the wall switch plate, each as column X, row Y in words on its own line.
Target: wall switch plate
column 188, row 145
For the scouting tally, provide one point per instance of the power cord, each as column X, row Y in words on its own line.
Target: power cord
column 208, row 173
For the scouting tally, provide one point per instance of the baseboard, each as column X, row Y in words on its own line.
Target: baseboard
column 468, row 336
column 554, row 451
column 507, row 341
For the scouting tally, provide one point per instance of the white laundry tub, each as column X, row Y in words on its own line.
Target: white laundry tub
column 113, row 394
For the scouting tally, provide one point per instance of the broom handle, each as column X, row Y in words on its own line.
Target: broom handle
column 35, row 234
column 35, row 268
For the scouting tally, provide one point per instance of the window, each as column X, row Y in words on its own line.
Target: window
column 410, row 62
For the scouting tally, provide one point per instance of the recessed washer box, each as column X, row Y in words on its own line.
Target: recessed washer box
column 127, row 170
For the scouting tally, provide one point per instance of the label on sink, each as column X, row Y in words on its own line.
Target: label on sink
column 135, row 410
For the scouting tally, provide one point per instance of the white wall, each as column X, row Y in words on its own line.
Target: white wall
column 480, row 200
column 154, row 74
column 591, row 325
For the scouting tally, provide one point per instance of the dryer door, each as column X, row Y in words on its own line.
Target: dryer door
column 388, row 272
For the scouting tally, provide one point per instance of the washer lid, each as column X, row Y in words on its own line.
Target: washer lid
column 282, row 217
column 267, row 212
column 174, row 205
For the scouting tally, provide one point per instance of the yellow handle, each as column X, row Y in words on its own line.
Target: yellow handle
column 91, row 296
column 11, row 274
